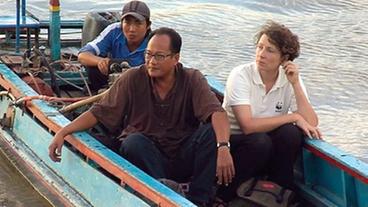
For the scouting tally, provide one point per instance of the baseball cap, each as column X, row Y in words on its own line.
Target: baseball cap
column 137, row 9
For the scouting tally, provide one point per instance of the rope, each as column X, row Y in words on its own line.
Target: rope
column 8, row 94
column 35, row 82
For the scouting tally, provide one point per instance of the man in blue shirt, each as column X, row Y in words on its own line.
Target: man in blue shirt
column 126, row 40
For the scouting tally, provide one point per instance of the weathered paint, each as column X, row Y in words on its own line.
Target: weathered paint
column 17, row 22
column 23, row 8
column 348, row 163
column 93, row 149
column 331, row 177
column 17, row 28
column 65, row 23
column 89, row 182
column 335, row 175
column 55, row 30
column 11, row 22
column 19, row 6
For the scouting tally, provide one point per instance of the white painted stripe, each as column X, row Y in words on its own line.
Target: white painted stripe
column 97, row 50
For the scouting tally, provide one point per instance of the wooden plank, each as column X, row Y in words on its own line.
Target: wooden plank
column 361, row 193
column 64, row 24
column 8, row 22
column 86, row 144
column 324, row 178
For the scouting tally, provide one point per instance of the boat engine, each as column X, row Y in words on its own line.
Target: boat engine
column 95, row 22
column 116, row 68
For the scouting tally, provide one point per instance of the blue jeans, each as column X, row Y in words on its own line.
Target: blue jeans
column 195, row 161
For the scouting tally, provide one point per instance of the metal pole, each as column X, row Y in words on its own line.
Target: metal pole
column 55, row 29
column 23, row 8
column 17, row 28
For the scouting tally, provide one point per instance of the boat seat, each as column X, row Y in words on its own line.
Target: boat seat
column 9, row 23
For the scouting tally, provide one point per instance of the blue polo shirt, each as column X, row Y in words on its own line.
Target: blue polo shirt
column 112, row 42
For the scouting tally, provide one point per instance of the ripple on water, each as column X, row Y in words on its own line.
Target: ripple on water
column 14, row 190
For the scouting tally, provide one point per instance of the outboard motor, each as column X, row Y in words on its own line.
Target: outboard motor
column 117, row 67
column 95, row 22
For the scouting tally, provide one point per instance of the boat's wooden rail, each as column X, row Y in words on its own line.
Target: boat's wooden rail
column 333, row 177
column 88, row 146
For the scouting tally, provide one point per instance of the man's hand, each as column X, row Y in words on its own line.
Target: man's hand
column 55, row 147
column 225, row 170
column 103, row 65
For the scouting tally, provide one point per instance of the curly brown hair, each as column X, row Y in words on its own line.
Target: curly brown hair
column 282, row 38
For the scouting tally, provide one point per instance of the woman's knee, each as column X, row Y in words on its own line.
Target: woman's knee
column 260, row 142
column 251, row 153
column 290, row 135
column 264, row 143
column 254, row 145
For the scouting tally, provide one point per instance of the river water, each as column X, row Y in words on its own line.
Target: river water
column 218, row 35
column 14, row 191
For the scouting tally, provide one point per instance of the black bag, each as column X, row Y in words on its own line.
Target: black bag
column 263, row 193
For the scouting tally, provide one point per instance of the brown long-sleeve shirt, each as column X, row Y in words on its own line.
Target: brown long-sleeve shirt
column 132, row 100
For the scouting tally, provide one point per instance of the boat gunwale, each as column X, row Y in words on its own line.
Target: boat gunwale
column 343, row 161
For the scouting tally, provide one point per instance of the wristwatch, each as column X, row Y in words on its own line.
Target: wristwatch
column 223, row 144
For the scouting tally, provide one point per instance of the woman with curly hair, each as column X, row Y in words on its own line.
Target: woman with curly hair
column 269, row 111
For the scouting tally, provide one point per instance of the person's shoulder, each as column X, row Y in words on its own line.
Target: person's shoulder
column 244, row 67
column 116, row 25
column 136, row 70
column 241, row 74
column 240, row 70
column 132, row 74
column 191, row 73
column 113, row 28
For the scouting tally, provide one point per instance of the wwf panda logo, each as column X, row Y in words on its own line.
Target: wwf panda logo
column 278, row 107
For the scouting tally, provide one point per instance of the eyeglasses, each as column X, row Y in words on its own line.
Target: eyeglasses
column 158, row 57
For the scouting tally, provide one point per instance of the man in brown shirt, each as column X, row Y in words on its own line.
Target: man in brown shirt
column 172, row 120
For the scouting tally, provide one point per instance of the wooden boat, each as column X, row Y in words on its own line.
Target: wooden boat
column 93, row 175
column 326, row 176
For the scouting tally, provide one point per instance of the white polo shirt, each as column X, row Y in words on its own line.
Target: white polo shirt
column 244, row 86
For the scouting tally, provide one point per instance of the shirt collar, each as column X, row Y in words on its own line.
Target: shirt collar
column 281, row 78
column 178, row 78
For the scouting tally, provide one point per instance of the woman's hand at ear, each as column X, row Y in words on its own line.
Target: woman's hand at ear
column 291, row 71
